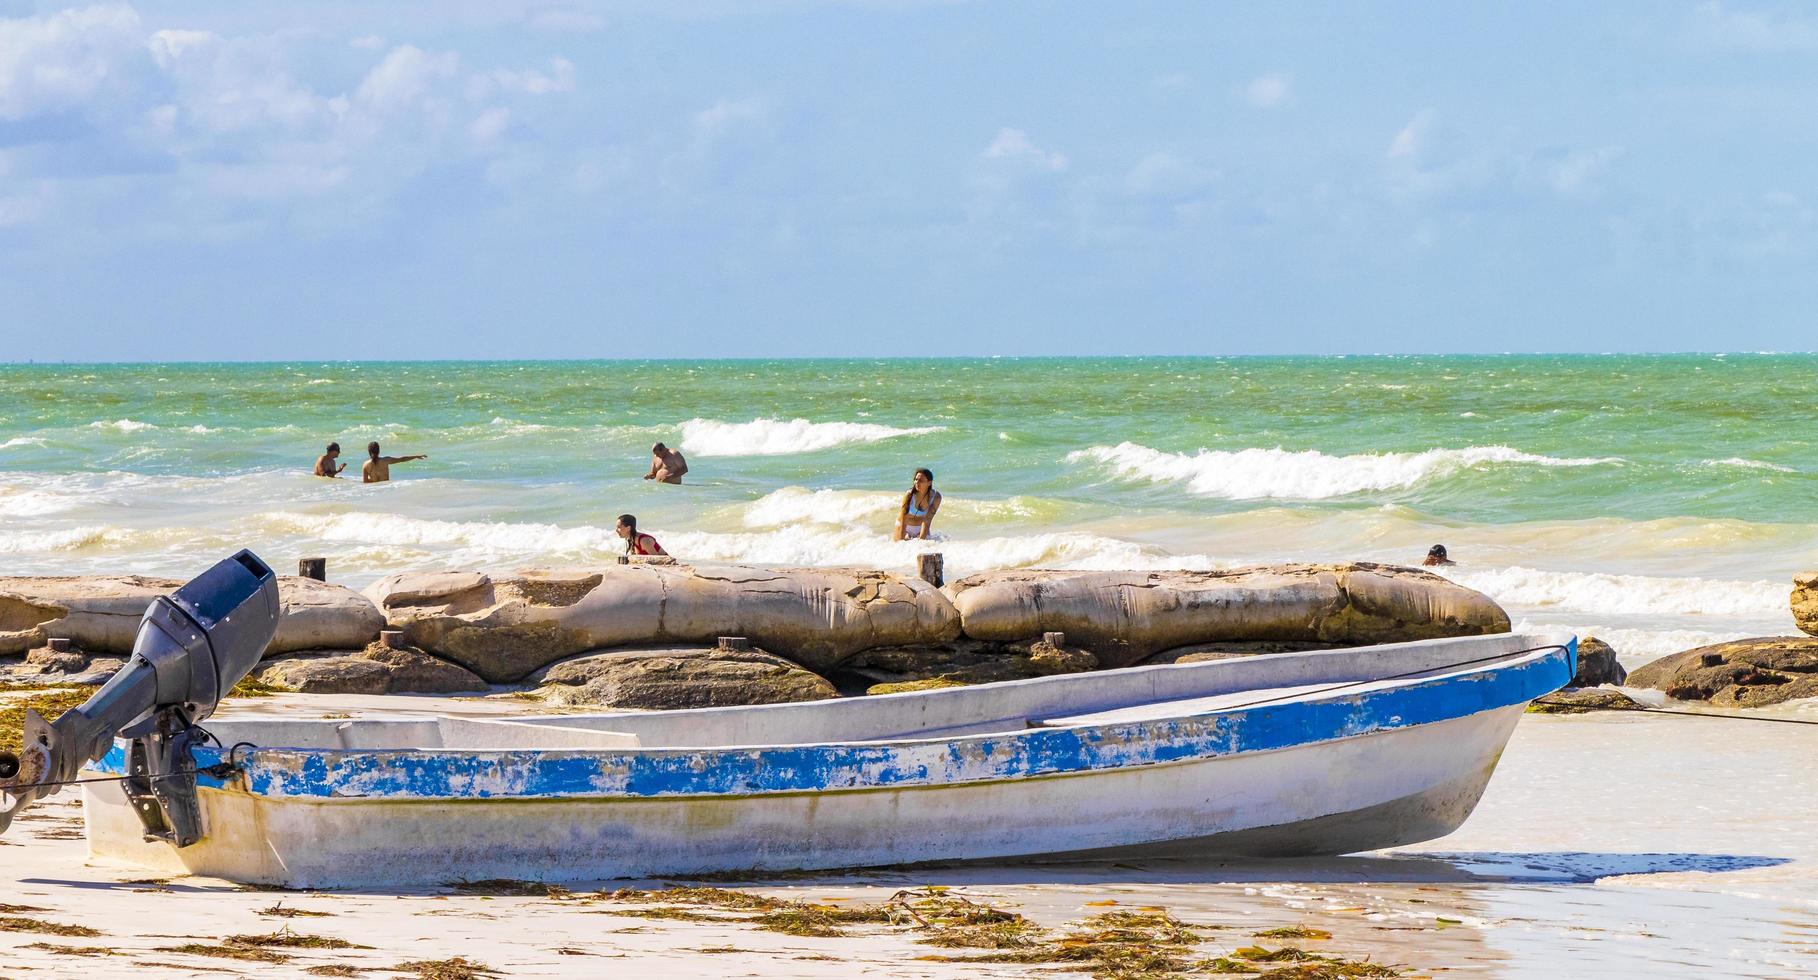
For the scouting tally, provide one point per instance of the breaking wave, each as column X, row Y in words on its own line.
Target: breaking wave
column 122, row 425
column 1605, row 594
column 1256, row 474
column 774, row 437
column 1749, row 464
column 799, row 505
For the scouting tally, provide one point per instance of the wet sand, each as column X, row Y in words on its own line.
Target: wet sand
column 1607, row 845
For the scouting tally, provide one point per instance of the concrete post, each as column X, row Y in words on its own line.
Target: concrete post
column 734, row 643
column 393, row 639
column 929, row 567
column 316, row 568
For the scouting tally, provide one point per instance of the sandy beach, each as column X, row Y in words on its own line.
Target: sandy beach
column 1607, row 845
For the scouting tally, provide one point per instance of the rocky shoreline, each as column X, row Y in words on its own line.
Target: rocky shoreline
column 651, row 635
column 664, row 635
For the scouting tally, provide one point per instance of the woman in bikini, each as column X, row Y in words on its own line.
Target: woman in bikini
column 920, row 504
column 635, row 543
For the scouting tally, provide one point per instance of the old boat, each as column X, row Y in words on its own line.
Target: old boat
column 1307, row 753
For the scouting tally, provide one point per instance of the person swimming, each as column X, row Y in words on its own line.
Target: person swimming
column 637, row 543
column 916, row 517
column 1436, row 555
column 666, row 465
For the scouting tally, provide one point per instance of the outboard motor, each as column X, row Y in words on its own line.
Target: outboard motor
column 193, row 646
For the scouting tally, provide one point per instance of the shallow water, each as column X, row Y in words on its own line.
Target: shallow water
column 1659, row 501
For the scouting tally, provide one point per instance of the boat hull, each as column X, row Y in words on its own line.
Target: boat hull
column 1377, row 789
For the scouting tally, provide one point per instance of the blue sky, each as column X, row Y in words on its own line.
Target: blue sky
column 505, row 179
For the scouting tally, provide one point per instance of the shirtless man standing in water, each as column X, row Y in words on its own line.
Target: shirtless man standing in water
column 377, row 468
column 325, row 464
column 666, row 464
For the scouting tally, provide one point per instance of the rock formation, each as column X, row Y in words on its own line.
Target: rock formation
column 504, row 627
column 1738, row 674
column 376, row 670
column 678, row 677
column 1123, row 617
column 101, row 614
column 1805, row 602
column 1597, row 664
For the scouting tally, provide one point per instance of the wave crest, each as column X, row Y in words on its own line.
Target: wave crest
column 1605, row 594
column 1257, row 474
column 774, row 437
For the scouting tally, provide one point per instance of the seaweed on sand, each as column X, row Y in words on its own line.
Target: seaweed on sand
column 252, row 687
column 510, row 888
column 457, row 968
column 286, row 939
column 20, row 923
column 49, row 701
column 72, row 950
column 227, row 952
column 278, row 911
column 1293, row 932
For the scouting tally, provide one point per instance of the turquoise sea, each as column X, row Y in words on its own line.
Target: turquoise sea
column 1661, row 501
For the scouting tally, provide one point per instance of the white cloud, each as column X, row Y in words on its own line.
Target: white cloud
column 368, row 42
column 1717, row 26
column 1577, row 170
column 1014, row 146
column 1271, row 91
column 727, row 114
column 527, row 81
column 404, row 77
column 1164, row 175
column 54, row 62
column 1412, row 139
column 488, row 126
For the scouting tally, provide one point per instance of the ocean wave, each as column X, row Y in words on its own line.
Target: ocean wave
column 1749, row 464
column 1256, row 474
column 775, row 437
column 485, row 543
column 1636, row 647
column 1600, row 593
column 61, row 540
column 799, row 505
column 18, row 441
column 122, row 425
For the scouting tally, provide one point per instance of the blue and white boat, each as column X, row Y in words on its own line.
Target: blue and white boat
column 1327, row 752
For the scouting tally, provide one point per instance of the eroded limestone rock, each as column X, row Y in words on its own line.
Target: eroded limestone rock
column 506, row 626
column 678, row 677
column 1123, row 617
column 1741, row 673
column 374, row 670
column 100, row 613
column 1805, row 602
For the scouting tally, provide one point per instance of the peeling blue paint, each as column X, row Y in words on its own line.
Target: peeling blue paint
column 659, row 772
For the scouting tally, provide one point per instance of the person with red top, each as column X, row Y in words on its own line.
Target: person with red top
column 636, row 543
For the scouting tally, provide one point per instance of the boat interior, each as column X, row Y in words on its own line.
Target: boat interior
column 1125, row 696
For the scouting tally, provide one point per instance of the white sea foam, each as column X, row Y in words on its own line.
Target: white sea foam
column 775, row 437
column 799, row 505
column 1605, row 594
column 123, row 425
column 485, row 542
column 1635, row 647
column 1750, row 464
column 18, row 441
column 65, row 539
column 1255, row 474
column 201, row 430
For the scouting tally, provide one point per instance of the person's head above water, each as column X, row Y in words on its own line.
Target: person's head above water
column 659, row 448
column 372, row 449
column 334, row 449
column 923, row 478
column 628, row 526
column 1437, row 551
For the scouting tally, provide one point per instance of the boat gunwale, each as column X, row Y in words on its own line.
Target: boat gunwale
column 325, row 774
